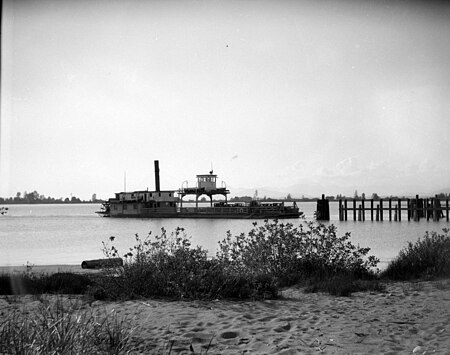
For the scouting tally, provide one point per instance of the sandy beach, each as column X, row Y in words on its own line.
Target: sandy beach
column 407, row 318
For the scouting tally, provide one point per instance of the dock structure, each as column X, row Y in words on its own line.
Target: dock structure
column 391, row 209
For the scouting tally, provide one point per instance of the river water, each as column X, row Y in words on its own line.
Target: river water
column 69, row 234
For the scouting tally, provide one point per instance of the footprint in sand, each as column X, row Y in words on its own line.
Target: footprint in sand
column 266, row 319
column 283, row 328
column 229, row 335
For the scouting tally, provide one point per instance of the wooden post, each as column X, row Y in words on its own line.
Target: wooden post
column 395, row 213
column 354, row 209
column 345, row 209
column 359, row 213
column 446, row 207
column 434, row 208
column 427, row 209
column 323, row 209
column 416, row 210
column 390, row 210
column 326, row 208
column 399, row 210
column 408, row 206
column 363, row 211
column 437, row 208
column 378, row 213
column 371, row 209
column 424, row 207
column 381, row 209
column 341, row 214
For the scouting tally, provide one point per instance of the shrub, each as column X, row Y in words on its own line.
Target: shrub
column 427, row 258
column 292, row 254
column 11, row 284
column 167, row 266
column 246, row 266
column 66, row 282
column 33, row 283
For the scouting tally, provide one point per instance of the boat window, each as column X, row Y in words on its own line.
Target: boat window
column 135, row 206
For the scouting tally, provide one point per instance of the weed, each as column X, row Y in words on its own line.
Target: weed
column 63, row 328
column 428, row 258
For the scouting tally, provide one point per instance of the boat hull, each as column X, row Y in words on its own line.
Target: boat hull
column 210, row 215
column 235, row 212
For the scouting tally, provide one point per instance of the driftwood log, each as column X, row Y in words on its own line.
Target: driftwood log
column 101, row 263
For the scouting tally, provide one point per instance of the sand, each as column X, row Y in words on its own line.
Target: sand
column 407, row 318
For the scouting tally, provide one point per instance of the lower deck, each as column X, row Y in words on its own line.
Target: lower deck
column 237, row 211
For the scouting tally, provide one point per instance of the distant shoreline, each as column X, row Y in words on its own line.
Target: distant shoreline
column 51, row 203
column 45, row 269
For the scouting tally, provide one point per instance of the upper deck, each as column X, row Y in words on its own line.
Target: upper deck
column 206, row 184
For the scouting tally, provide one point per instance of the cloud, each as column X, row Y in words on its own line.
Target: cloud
column 289, row 173
column 348, row 166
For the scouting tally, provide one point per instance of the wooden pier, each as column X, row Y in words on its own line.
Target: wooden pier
column 391, row 209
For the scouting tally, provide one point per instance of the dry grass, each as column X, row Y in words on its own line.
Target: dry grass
column 63, row 327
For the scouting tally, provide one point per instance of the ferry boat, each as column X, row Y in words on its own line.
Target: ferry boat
column 169, row 203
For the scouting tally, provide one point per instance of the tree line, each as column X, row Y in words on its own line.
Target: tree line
column 35, row 198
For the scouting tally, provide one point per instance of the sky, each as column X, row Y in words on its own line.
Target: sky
column 301, row 97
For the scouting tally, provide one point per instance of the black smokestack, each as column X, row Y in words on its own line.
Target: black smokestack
column 157, row 175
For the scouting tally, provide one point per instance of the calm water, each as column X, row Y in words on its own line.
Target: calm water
column 69, row 234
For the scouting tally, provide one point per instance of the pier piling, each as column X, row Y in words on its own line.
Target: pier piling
column 354, row 209
column 323, row 209
column 446, row 208
column 390, row 210
column 415, row 209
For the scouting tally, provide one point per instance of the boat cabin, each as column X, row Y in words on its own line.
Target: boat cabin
column 147, row 196
column 207, row 182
